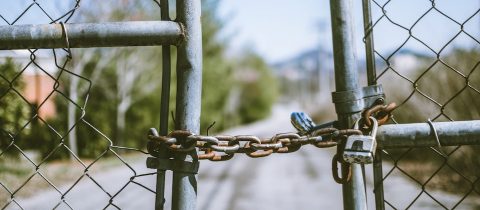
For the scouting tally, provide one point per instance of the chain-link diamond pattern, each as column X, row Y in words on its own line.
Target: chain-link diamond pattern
column 427, row 57
column 33, row 87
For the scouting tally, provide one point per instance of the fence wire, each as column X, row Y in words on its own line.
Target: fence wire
column 435, row 74
column 33, row 91
column 427, row 56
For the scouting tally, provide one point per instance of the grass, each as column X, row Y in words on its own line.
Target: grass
column 22, row 180
column 457, row 174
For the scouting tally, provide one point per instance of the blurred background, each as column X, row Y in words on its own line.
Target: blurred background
column 75, row 129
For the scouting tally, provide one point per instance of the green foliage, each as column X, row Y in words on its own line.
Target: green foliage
column 259, row 92
column 221, row 77
column 13, row 109
column 223, row 83
column 217, row 84
column 100, row 112
column 143, row 115
column 41, row 138
column 102, row 108
column 217, row 70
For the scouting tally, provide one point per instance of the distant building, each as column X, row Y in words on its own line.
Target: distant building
column 38, row 85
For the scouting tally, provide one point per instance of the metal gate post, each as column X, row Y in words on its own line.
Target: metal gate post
column 346, row 79
column 188, row 103
column 164, row 109
column 372, row 80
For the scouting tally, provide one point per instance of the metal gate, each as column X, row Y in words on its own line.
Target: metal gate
column 180, row 150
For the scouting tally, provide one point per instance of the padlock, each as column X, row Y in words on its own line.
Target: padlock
column 361, row 148
column 302, row 122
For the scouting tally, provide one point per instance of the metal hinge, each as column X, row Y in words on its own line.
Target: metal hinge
column 353, row 101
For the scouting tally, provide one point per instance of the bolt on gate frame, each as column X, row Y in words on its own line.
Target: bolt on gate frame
column 185, row 33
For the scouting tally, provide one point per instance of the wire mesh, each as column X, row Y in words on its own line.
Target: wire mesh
column 430, row 50
column 45, row 97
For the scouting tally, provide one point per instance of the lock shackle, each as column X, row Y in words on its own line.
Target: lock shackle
column 374, row 125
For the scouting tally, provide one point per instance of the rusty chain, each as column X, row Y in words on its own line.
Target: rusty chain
column 381, row 112
column 224, row 147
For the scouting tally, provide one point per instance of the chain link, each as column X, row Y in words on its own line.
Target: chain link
column 345, row 167
column 223, row 147
column 381, row 112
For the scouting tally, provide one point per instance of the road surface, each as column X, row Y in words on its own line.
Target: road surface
column 300, row 180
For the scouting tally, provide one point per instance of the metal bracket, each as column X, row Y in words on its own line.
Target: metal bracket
column 173, row 165
column 352, row 101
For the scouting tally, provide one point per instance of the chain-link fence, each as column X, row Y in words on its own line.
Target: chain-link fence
column 426, row 56
column 49, row 111
column 51, row 106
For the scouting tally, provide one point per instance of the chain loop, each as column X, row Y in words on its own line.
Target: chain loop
column 346, row 170
column 381, row 112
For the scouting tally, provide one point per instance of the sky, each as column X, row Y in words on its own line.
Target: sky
column 276, row 29
column 281, row 29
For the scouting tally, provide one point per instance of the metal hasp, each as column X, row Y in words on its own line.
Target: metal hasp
column 83, row 35
column 422, row 134
column 188, row 102
column 173, row 165
column 346, row 79
column 356, row 100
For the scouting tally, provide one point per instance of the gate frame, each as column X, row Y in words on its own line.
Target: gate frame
column 346, row 80
column 185, row 33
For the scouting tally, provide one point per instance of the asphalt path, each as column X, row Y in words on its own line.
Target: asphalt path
column 300, row 180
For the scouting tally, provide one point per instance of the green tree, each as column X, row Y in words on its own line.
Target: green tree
column 259, row 90
column 227, row 98
column 123, row 76
column 124, row 96
column 217, row 69
column 14, row 111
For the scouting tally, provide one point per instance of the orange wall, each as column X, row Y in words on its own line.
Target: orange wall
column 37, row 89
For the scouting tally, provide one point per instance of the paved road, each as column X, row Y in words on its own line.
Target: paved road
column 300, row 180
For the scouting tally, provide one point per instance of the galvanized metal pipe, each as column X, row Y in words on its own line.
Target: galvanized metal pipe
column 82, row 35
column 372, row 80
column 422, row 135
column 342, row 32
column 164, row 110
column 369, row 48
column 378, row 181
column 188, row 103
column 346, row 78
